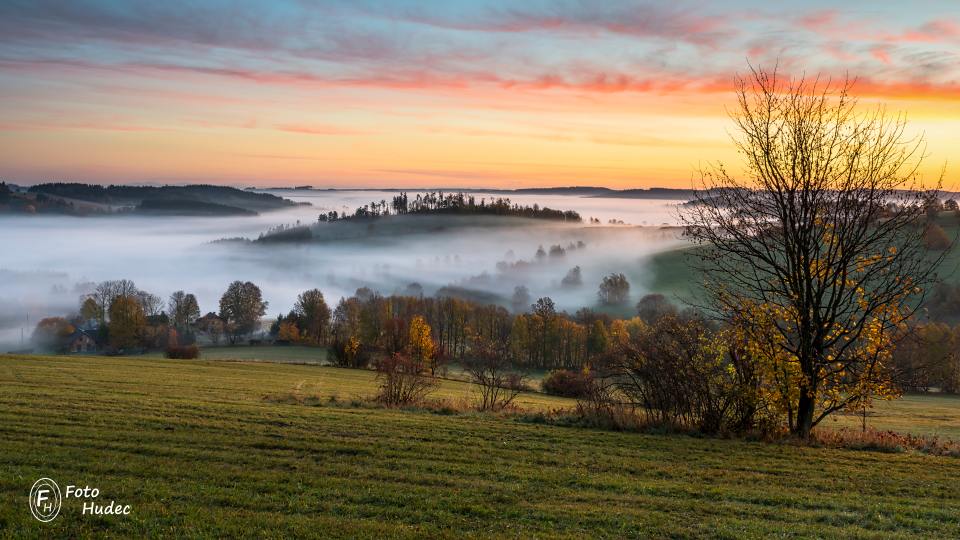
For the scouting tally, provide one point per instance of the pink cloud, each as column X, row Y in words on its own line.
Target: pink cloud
column 676, row 23
column 932, row 32
column 575, row 79
column 882, row 54
column 818, row 21
column 315, row 129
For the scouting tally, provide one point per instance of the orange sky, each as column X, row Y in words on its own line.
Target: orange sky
column 357, row 95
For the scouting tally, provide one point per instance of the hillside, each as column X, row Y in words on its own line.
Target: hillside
column 384, row 228
column 671, row 272
column 186, row 207
column 214, row 449
column 170, row 198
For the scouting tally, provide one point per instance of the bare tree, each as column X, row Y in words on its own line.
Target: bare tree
column 491, row 369
column 817, row 252
column 403, row 380
column 105, row 292
column 152, row 304
column 184, row 309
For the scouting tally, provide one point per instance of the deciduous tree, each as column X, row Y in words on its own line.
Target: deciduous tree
column 51, row 334
column 127, row 322
column 805, row 251
column 420, row 345
column 241, row 306
column 614, row 289
column 184, row 310
column 314, row 314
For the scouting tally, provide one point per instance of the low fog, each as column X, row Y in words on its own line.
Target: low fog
column 49, row 262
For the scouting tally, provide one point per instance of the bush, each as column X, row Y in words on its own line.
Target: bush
column 884, row 441
column 684, row 375
column 349, row 353
column 653, row 307
column 402, row 381
column 566, row 383
column 491, row 369
column 186, row 352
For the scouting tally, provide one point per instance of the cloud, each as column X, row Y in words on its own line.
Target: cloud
column 91, row 125
column 820, row 20
column 317, row 129
column 680, row 22
column 936, row 31
column 882, row 53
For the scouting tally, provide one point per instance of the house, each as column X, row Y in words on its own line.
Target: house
column 81, row 341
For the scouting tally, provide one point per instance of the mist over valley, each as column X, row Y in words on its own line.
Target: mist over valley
column 50, row 262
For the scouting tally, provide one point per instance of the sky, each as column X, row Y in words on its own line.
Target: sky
column 449, row 93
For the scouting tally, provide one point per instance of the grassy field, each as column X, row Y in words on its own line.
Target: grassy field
column 670, row 272
column 292, row 354
column 196, row 450
column 924, row 414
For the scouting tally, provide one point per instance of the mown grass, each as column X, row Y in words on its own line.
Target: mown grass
column 197, row 451
column 917, row 414
column 293, row 354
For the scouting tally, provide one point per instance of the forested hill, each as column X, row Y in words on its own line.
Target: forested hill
column 452, row 204
column 423, row 213
column 172, row 197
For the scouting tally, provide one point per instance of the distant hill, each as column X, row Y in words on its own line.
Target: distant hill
column 13, row 200
column 388, row 228
column 581, row 191
column 182, row 207
column 586, row 191
column 651, row 193
column 187, row 199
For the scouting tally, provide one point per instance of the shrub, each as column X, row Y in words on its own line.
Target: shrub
column 599, row 406
column 402, row 381
column 186, row 352
column 684, row 375
column 566, row 383
column 491, row 369
column 885, row 441
column 654, row 307
column 349, row 353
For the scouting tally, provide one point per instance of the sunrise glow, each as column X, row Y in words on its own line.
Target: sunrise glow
column 413, row 94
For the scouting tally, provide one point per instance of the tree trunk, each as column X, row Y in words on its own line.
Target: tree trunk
column 805, row 410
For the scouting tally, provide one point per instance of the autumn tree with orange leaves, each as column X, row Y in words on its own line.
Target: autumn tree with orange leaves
column 816, row 253
column 420, row 345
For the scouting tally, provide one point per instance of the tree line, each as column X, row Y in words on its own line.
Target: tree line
column 119, row 317
column 450, row 203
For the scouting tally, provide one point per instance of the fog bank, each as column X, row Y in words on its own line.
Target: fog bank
column 48, row 262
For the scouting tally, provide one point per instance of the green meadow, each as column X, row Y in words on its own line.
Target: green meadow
column 672, row 274
column 211, row 449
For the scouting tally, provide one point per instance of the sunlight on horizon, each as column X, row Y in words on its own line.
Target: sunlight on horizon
column 457, row 94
